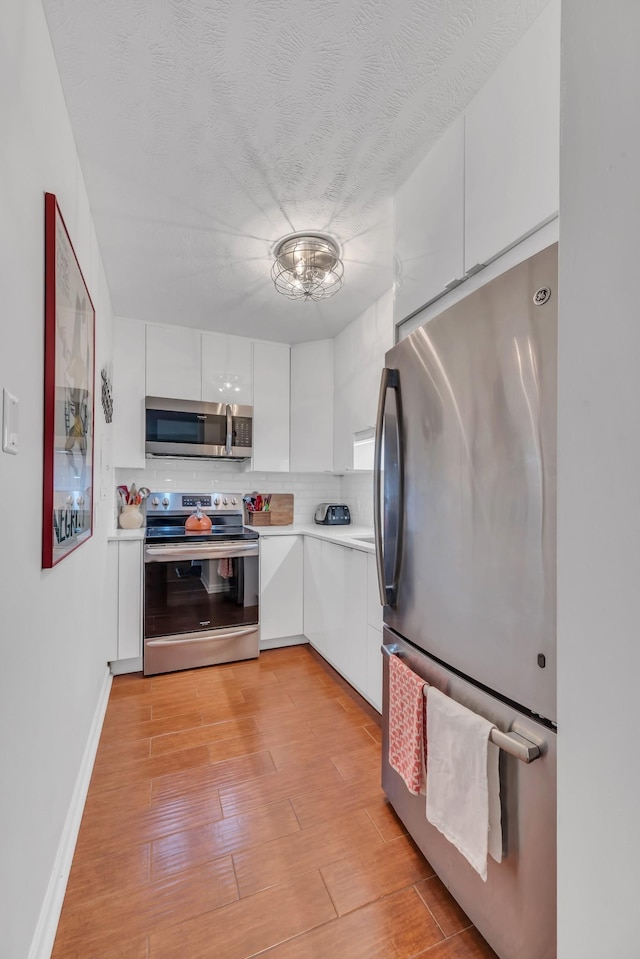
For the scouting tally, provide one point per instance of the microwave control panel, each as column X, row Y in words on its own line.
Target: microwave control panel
column 241, row 432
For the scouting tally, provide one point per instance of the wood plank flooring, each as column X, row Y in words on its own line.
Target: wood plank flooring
column 236, row 811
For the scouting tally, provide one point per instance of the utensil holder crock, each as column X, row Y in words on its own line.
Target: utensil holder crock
column 131, row 517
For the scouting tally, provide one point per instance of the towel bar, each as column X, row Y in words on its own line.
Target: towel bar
column 512, row 743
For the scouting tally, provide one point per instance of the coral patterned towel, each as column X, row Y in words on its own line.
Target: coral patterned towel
column 406, row 724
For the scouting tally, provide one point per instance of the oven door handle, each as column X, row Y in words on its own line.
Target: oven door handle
column 202, row 637
column 229, row 550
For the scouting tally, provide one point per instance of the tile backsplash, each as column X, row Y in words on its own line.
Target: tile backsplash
column 309, row 489
column 356, row 490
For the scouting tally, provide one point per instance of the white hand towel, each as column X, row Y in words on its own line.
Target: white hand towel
column 457, row 780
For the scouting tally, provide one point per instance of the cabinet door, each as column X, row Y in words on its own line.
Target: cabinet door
column 173, row 362
column 374, row 609
column 374, row 667
column 227, row 369
column 271, row 378
column 312, row 407
column 512, row 144
column 110, row 599
column 358, row 359
column 333, row 594
column 129, row 388
column 429, row 225
column 314, row 609
column 129, row 599
column 351, row 651
column 281, row 586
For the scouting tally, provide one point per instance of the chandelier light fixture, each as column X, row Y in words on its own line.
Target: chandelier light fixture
column 307, row 266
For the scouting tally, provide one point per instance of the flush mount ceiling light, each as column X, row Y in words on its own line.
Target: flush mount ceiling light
column 307, row 267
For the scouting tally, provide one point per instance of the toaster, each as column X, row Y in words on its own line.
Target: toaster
column 332, row 514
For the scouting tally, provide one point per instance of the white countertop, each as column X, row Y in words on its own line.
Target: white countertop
column 127, row 534
column 342, row 535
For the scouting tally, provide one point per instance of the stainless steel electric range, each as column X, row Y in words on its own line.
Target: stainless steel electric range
column 200, row 588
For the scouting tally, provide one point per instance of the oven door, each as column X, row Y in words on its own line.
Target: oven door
column 200, row 604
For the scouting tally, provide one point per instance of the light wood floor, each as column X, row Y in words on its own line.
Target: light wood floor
column 236, row 811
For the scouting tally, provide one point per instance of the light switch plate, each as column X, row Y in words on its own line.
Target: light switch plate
column 9, row 422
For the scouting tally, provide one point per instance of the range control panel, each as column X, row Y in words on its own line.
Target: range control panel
column 205, row 501
column 185, row 503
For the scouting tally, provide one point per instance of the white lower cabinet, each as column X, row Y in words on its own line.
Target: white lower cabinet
column 374, row 636
column 315, row 613
column 110, row 599
column 281, row 587
column 374, row 667
column 336, row 613
column 351, row 645
column 128, row 656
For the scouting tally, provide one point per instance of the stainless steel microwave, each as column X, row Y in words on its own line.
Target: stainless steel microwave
column 194, row 428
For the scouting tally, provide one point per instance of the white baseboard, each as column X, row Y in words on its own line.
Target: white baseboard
column 284, row 641
column 45, row 933
column 120, row 666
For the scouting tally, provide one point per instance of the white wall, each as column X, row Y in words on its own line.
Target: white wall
column 53, row 647
column 599, row 482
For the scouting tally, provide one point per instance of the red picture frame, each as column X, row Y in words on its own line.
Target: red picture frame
column 69, row 395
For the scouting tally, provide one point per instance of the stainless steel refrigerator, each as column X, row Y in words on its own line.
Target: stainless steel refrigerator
column 466, row 543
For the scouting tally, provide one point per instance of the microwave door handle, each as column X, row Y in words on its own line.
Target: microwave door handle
column 227, row 445
column 394, row 473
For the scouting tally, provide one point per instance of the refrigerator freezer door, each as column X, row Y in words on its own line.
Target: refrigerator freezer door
column 515, row 909
column 477, row 385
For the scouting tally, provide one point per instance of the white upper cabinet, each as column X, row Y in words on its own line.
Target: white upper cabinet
column 129, row 391
column 429, row 225
column 358, row 360
column 512, row 144
column 492, row 178
column 227, row 369
column 271, row 384
column 173, row 362
column 312, row 407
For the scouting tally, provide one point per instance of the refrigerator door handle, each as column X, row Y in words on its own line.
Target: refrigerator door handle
column 388, row 591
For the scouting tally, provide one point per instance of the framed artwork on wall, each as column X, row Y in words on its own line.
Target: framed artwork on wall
column 69, row 386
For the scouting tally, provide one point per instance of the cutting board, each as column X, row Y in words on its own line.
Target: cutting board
column 281, row 509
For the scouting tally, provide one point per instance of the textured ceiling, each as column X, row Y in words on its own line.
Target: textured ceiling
column 208, row 129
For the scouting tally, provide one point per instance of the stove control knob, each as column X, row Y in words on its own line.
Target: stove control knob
column 155, row 501
column 224, row 501
column 165, row 501
column 234, row 501
column 216, row 501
